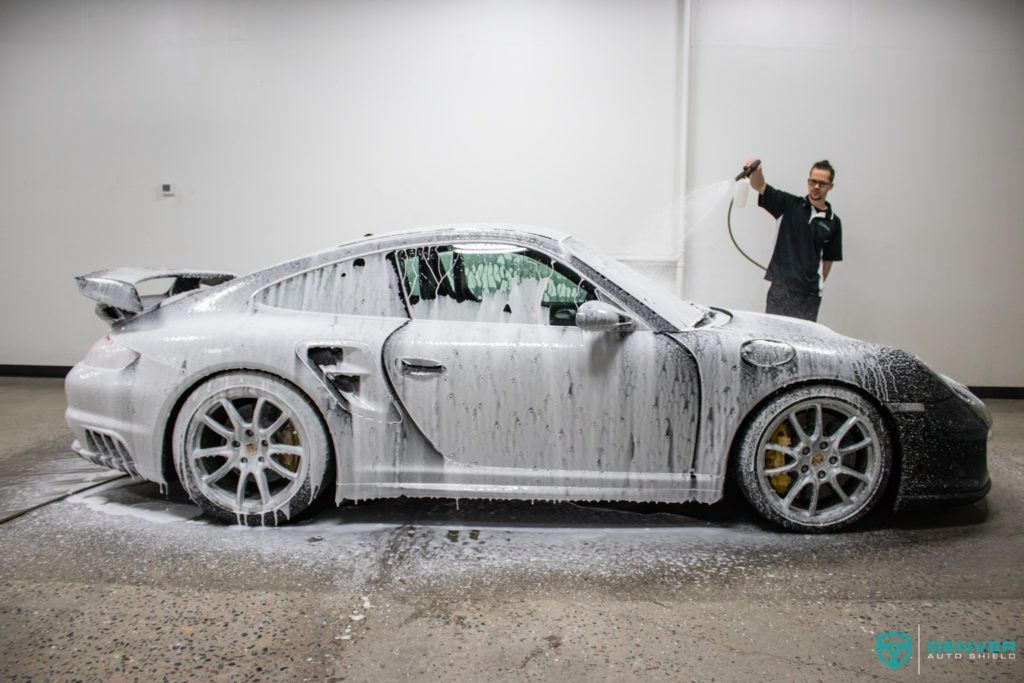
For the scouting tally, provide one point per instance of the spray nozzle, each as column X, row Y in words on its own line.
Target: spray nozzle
column 747, row 170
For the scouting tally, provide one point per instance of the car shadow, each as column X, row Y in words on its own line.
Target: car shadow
column 493, row 512
column 732, row 511
column 969, row 515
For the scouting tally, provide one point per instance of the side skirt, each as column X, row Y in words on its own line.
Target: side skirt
column 698, row 488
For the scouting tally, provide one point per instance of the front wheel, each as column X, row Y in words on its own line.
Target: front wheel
column 250, row 448
column 815, row 459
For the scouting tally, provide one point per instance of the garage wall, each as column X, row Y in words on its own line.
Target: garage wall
column 918, row 104
column 288, row 127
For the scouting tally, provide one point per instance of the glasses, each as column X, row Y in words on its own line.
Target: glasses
column 818, row 183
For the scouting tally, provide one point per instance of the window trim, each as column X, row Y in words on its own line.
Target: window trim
column 255, row 296
column 599, row 289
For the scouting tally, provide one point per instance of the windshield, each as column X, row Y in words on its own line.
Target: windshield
column 682, row 314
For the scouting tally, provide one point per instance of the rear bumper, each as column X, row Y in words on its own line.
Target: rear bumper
column 106, row 450
column 944, row 455
column 109, row 428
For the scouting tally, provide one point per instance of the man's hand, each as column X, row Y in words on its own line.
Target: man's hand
column 757, row 177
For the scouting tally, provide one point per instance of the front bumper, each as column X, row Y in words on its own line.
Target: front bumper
column 943, row 450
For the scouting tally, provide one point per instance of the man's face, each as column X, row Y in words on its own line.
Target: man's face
column 818, row 184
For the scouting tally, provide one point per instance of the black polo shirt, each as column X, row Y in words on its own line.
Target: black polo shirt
column 806, row 238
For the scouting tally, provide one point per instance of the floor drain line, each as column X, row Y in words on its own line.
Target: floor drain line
column 19, row 513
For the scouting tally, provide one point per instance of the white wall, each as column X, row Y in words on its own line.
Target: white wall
column 920, row 106
column 288, row 127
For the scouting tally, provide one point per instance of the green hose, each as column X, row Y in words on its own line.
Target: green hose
column 728, row 219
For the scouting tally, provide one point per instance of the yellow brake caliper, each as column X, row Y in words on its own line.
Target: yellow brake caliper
column 772, row 459
column 288, row 436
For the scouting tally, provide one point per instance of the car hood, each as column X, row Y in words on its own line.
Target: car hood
column 781, row 328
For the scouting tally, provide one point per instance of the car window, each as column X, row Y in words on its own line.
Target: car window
column 367, row 285
column 491, row 283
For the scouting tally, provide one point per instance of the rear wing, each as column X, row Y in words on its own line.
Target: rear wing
column 117, row 295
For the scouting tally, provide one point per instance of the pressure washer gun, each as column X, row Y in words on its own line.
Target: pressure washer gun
column 747, row 170
column 739, row 197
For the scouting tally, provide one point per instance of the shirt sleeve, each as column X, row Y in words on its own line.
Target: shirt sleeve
column 774, row 201
column 833, row 251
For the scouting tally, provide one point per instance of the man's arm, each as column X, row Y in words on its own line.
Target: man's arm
column 833, row 250
column 770, row 199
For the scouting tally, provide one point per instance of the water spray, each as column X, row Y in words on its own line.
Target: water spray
column 689, row 212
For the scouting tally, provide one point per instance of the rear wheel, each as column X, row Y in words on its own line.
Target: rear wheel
column 815, row 459
column 250, row 448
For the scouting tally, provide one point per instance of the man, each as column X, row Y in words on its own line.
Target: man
column 810, row 240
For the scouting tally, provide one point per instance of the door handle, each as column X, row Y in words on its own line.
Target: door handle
column 420, row 366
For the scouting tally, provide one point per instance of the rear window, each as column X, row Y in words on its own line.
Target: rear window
column 367, row 285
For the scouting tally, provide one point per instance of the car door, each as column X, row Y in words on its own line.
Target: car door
column 495, row 374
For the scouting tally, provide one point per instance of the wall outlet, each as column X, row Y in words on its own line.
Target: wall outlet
column 167, row 190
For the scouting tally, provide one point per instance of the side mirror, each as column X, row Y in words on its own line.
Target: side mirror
column 600, row 316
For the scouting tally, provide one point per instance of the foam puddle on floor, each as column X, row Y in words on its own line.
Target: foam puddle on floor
column 147, row 510
column 413, row 545
column 445, row 526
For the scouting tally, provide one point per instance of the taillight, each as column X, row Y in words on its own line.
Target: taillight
column 109, row 355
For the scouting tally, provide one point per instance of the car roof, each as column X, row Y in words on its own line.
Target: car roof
column 469, row 229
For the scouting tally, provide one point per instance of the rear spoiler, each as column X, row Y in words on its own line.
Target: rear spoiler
column 117, row 296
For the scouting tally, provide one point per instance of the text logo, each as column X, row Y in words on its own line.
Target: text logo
column 893, row 648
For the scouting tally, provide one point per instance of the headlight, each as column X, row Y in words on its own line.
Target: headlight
column 960, row 390
column 970, row 399
column 109, row 355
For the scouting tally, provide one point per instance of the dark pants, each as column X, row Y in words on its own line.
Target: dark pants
column 793, row 303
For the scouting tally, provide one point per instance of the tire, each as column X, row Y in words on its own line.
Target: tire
column 251, row 449
column 815, row 459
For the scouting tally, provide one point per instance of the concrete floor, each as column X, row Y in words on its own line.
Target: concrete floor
column 119, row 583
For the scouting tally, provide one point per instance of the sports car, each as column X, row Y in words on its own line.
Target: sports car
column 503, row 362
